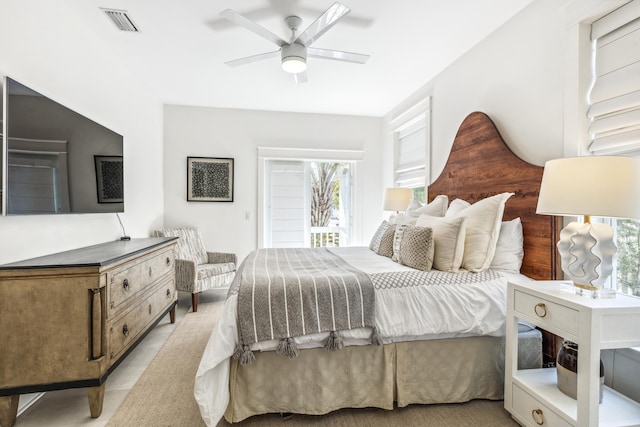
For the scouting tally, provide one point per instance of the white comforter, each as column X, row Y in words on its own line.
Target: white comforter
column 402, row 314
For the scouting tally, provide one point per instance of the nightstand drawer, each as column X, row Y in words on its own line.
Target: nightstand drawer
column 548, row 315
column 533, row 413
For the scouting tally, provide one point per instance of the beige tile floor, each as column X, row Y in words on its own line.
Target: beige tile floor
column 70, row 408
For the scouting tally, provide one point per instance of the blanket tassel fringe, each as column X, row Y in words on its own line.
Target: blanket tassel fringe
column 244, row 355
column 287, row 347
column 334, row 342
column 375, row 338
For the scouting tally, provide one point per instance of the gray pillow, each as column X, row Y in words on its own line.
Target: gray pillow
column 415, row 247
column 374, row 245
column 386, row 244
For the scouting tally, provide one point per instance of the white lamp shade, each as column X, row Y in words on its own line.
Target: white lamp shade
column 603, row 186
column 396, row 199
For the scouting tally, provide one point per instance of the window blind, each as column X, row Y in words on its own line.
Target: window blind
column 410, row 167
column 614, row 99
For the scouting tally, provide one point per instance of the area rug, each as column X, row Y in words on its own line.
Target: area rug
column 163, row 396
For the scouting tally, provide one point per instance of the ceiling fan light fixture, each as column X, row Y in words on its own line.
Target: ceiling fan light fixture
column 294, row 64
column 294, row 58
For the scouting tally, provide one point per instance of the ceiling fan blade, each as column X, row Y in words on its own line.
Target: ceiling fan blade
column 300, row 77
column 321, row 25
column 238, row 19
column 254, row 58
column 358, row 58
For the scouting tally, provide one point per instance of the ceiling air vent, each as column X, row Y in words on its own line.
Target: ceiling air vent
column 120, row 19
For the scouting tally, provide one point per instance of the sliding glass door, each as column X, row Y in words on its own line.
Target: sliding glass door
column 307, row 203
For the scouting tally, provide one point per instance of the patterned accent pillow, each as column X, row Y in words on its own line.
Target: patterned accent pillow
column 416, row 248
column 386, row 244
column 397, row 238
column 374, row 245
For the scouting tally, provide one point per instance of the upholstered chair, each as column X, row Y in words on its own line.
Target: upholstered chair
column 196, row 269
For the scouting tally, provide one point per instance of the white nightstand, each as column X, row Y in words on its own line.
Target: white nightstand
column 532, row 396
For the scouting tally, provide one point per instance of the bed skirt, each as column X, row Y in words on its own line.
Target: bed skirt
column 318, row 382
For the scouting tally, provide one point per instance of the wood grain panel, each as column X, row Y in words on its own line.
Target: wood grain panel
column 481, row 165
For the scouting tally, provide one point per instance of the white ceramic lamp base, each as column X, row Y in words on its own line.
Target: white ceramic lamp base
column 587, row 252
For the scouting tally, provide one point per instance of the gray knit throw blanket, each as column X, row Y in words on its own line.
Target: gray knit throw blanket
column 285, row 293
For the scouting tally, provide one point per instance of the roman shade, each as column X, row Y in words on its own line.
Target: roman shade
column 614, row 99
column 410, row 168
column 411, row 132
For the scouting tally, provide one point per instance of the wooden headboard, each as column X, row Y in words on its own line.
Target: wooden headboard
column 480, row 165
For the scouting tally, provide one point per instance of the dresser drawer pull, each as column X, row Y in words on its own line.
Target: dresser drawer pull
column 540, row 309
column 150, row 272
column 537, row 416
column 125, row 284
column 168, row 261
column 168, row 293
column 125, row 330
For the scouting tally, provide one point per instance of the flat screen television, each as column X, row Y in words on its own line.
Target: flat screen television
column 55, row 160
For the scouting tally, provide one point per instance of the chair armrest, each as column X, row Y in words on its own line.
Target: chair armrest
column 221, row 257
column 185, row 273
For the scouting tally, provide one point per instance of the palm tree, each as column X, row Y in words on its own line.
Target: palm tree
column 324, row 185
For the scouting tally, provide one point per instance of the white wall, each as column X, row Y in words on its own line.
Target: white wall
column 63, row 59
column 515, row 75
column 212, row 132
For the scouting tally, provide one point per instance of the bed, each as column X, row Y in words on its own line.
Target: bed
column 386, row 360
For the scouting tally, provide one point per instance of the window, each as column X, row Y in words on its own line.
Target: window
column 627, row 268
column 412, row 132
column 614, row 116
column 306, row 199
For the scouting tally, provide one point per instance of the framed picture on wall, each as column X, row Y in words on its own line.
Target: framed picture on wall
column 109, row 179
column 209, row 179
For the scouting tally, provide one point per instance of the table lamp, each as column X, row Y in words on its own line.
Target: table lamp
column 396, row 199
column 601, row 186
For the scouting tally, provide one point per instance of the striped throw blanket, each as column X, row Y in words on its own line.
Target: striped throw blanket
column 285, row 293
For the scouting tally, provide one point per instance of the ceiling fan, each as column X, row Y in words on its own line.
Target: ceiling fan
column 294, row 53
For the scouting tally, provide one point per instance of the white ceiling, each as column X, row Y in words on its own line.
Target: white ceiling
column 182, row 46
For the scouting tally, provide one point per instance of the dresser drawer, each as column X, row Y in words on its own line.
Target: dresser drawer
column 533, row 413
column 126, row 329
column 549, row 315
column 131, row 278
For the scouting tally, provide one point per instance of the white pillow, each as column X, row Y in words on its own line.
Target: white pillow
column 482, row 230
column 404, row 219
column 448, row 241
column 456, row 206
column 509, row 249
column 414, row 205
column 437, row 207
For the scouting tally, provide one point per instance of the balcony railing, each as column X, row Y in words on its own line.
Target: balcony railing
column 327, row 236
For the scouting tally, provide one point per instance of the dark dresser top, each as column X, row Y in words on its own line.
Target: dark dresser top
column 97, row 255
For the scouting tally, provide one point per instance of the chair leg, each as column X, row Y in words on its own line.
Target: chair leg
column 194, row 302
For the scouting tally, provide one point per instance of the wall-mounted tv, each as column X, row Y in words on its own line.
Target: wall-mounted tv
column 54, row 160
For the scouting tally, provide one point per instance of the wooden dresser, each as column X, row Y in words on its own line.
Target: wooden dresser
column 68, row 319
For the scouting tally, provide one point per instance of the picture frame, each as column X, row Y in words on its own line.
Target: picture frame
column 109, row 178
column 210, row 179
